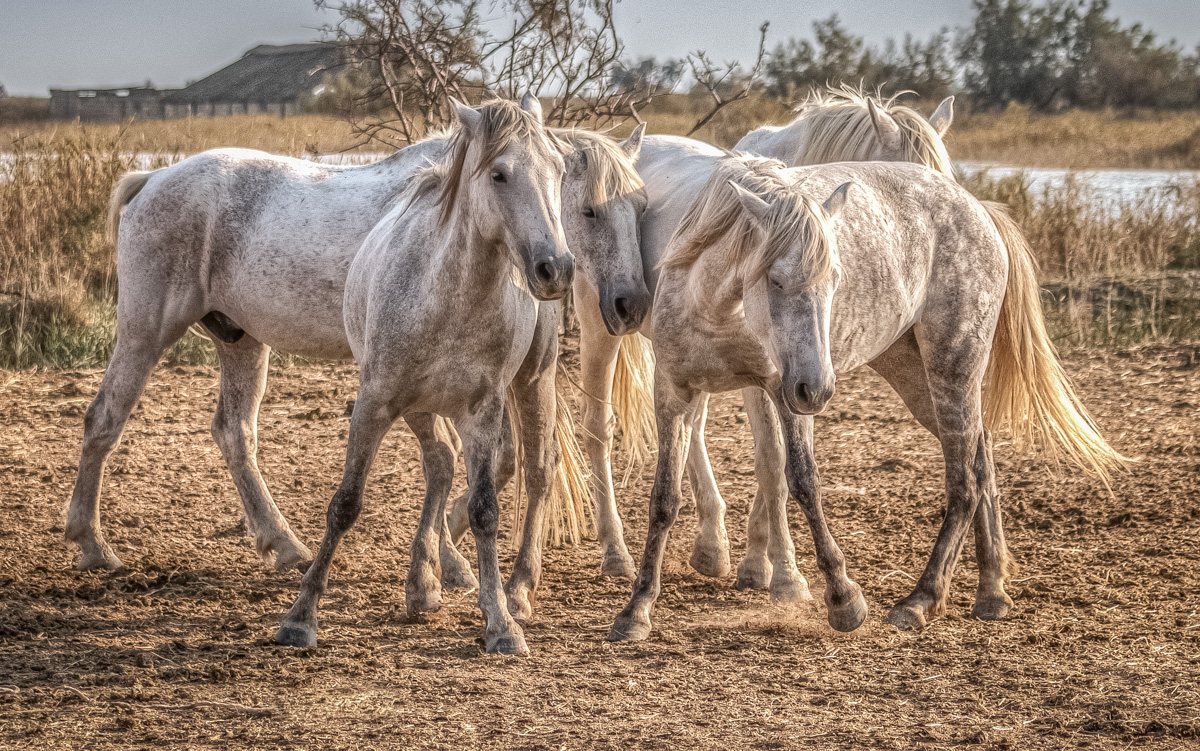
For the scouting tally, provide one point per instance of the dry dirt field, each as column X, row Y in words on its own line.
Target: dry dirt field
column 1102, row 651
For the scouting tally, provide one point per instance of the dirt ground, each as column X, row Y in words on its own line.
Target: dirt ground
column 1102, row 651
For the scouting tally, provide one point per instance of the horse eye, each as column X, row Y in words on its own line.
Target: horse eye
column 589, row 212
column 498, row 176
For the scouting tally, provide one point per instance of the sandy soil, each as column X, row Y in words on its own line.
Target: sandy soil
column 1102, row 651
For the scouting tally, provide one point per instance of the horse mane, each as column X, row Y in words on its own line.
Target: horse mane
column 750, row 245
column 840, row 130
column 610, row 174
column 503, row 123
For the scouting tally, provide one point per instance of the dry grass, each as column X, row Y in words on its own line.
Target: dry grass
column 308, row 134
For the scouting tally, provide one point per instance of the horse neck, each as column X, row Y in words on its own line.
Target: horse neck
column 712, row 289
column 469, row 260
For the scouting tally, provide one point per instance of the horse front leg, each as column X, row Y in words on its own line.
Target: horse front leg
column 481, row 441
column 770, row 561
column 710, row 555
column 673, row 412
column 235, row 429
column 456, row 570
column 374, row 414
column 843, row 597
column 598, row 355
column 535, row 410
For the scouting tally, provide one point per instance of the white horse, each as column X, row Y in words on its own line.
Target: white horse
column 441, row 311
column 901, row 269
column 841, row 125
column 257, row 247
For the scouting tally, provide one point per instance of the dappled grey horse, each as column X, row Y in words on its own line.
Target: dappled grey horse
column 441, row 311
column 831, row 126
column 899, row 268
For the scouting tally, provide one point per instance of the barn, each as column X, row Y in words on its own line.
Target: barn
column 268, row 79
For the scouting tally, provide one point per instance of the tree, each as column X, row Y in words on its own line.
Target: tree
column 838, row 57
column 412, row 56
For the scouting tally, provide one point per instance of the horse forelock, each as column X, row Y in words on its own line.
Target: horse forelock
column 609, row 174
column 750, row 245
column 840, row 130
column 503, row 124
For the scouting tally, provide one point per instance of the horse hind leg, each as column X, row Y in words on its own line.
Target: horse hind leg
column 423, row 589
column 954, row 379
column 901, row 365
column 134, row 357
column 244, row 362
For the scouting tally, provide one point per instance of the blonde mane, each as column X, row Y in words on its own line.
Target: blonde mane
column 610, row 174
column 840, row 130
column 503, row 123
column 751, row 245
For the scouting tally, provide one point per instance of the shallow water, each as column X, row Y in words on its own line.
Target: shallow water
column 1114, row 186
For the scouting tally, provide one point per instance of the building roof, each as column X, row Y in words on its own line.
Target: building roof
column 267, row 73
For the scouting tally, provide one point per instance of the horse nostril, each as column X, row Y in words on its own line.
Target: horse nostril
column 622, row 307
column 803, row 393
column 544, row 272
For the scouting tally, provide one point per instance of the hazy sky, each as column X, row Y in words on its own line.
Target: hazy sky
column 77, row 43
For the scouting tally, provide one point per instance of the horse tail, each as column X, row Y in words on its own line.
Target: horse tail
column 130, row 184
column 569, row 505
column 633, row 398
column 1026, row 386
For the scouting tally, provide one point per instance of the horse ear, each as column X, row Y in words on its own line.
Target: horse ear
column 833, row 205
column 468, row 117
column 632, row 146
column 530, row 104
column 943, row 116
column 885, row 127
column 757, row 207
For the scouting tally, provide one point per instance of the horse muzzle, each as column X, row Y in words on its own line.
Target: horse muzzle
column 625, row 310
column 550, row 276
column 807, row 395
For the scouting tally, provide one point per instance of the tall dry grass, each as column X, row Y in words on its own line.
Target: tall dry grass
column 1115, row 272
column 1118, row 273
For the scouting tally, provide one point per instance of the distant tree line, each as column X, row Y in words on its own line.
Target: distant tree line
column 1053, row 55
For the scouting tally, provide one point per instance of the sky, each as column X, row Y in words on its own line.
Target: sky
column 96, row 43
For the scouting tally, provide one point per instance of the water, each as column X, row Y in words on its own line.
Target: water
column 1109, row 186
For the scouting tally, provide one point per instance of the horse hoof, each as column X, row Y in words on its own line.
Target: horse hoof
column 417, row 603
column 617, row 566
column 296, row 635
column 458, row 578
column 101, row 561
column 511, row 644
column 791, row 592
column 519, row 606
column 993, row 608
column 753, row 576
column 627, row 628
column 292, row 555
column 710, row 561
column 906, row 618
column 850, row 615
